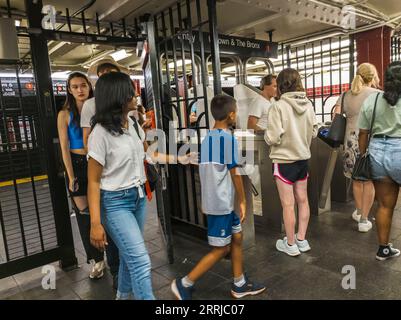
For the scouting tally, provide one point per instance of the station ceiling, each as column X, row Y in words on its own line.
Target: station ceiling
column 290, row 20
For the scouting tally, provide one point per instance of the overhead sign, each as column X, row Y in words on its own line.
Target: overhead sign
column 243, row 47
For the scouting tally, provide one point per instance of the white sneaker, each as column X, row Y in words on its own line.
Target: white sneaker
column 282, row 245
column 356, row 216
column 364, row 226
column 303, row 245
column 97, row 270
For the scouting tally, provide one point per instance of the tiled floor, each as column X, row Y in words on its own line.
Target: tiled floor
column 316, row 275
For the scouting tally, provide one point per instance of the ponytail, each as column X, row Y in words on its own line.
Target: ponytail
column 365, row 75
column 357, row 84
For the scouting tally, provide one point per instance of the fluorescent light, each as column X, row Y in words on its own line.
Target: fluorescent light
column 13, row 75
column 179, row 63
column 137, row 77
column 63, row 75
column 120, row 55
column 17, row 23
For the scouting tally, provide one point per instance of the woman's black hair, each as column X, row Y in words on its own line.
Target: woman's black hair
column 70, row 103
column 392, row 83
column 114, row 91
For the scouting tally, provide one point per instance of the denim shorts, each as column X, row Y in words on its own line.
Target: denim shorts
column 385, row 156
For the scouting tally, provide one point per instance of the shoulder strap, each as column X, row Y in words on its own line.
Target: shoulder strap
column 136, row 126
column 373, row 117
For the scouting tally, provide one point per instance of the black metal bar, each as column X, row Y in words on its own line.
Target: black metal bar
column 162, row 196
column 187, row 116
column 98, row 24
column 322, row 78
column 331, row 66
column 214, row 46
column 83, row 21
column 175, row 64
column 339, row 63
column 10, row 161
column 9, row 8
column 47, row 114
column 189, row 99
column 296, row 57
column 313, row 73
column 184, row 69
column 167, row 58
column 398, row 48
column 305, row 70
column 392, row 48
column 204, row 70
column 137, row 30
column 288, row 51
column 124, row 28
column 3, row 230
column 112, row 29
column 67, row 12
column 35, row 200
column 189, row 19
column 351, row 57
column 28, row 263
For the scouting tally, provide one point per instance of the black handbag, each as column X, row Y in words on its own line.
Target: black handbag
column 150, row 170
column 151, row 175
column 336, row 132
column 361, row 170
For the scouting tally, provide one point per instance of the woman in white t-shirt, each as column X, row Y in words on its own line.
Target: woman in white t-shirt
column 116, row 177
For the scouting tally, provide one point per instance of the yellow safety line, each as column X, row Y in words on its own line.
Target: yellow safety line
column 23, row 180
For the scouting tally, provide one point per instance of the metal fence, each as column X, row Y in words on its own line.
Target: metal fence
column 326, row 67
column 396, row 48
column 27, row 218
column 182, row 53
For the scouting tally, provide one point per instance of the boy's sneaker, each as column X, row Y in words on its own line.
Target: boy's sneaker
column 282, row 245
column 303, row 245
column 387, row 253
column 181, row 292
column 248, row 289
column 356, row 216
column 97, row 270
column 364, row 226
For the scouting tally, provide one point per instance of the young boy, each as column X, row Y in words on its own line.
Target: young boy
column 219, row 180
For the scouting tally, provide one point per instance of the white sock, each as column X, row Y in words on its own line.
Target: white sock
column 240, row 281
column 186, row 282
column 358, row 212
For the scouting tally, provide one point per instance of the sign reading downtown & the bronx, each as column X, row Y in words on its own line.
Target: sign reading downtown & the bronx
column 242, row 47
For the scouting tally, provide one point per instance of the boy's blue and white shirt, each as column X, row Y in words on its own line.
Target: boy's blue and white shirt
column 219, row 154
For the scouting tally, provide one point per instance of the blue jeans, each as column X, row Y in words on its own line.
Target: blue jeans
column 385, row 155
column 123, row 215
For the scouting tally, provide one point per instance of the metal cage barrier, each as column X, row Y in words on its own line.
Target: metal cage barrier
column 326, row 66
column 396, row 48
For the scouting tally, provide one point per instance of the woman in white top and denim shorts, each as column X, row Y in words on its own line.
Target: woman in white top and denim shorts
column 116, row 177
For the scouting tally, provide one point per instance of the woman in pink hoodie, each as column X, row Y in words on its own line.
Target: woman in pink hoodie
column 292, row 125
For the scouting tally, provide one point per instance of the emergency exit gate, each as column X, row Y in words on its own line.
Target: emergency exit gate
column 185, row 20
